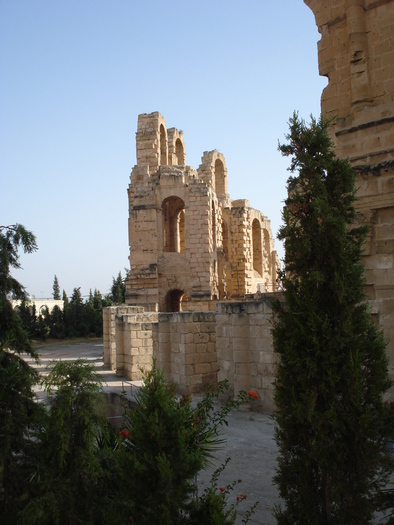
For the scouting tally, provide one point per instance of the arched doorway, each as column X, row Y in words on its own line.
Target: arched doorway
column 174, row 299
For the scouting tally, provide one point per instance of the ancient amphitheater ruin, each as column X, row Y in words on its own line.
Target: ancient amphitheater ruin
column 203, row 267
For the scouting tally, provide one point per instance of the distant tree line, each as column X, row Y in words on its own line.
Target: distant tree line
column 79, row 317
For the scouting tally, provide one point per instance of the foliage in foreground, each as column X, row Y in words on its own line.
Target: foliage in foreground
column 169, row 443
column 19, row 414
column 63, row 465
column 332, row 423
column 84, row 472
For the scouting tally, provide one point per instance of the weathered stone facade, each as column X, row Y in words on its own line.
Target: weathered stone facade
column 189, row 242
column 356, row 54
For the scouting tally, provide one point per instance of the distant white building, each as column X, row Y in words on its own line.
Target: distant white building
column 42, row 305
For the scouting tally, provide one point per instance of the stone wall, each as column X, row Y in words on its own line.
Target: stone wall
column 128, row 334
column 244, row 348
column 196, row 349
column 186, row 349
column 356, row 54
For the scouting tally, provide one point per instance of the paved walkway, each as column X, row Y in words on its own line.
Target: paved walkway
column 249, row 436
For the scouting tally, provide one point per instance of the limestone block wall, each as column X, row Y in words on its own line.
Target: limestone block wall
column 197, row 348
column 110, row 330
column 356, row 54
column 134, row 343
column 244, row 348
column 152, row 141
column 187, row 349
column 213, row 172
column 239, row 227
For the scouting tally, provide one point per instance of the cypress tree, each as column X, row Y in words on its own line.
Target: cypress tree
column 56, row 289
column 332, row 422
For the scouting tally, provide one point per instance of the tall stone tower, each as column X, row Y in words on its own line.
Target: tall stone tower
column 190, row 244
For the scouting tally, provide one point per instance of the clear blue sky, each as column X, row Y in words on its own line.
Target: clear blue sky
column 76, row 74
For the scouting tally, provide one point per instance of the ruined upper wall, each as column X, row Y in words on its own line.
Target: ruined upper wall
column 157, row 146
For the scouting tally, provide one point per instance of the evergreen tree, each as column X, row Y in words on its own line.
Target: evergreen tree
column 168, row 441
column 332, row 369
column 75, row 321
column 94, row 313
column 27, row 313
column 19, row 414
column 68, row 470
column 57, row 324
column 56, row 289
column 118, row 289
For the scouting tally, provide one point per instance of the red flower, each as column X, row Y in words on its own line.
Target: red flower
column 252, row 394
column 125, row 434
column 237, row 498
column 222, row 489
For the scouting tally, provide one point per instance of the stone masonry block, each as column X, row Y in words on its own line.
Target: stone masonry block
column 202, row 368
column 201, row 338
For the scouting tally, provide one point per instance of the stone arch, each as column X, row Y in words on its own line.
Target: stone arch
column 257, row 248
column 174, row 299
column 179, row 153
column 173, row 212
column 213, row 171
column 176, row 148
column 163, row 146
column 220, row 184
column 43, row 310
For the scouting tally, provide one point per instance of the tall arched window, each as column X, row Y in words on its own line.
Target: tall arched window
column 220, row 186
column 179, row 152
column 173, row 210
column 257, row 248
column 163, row 146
